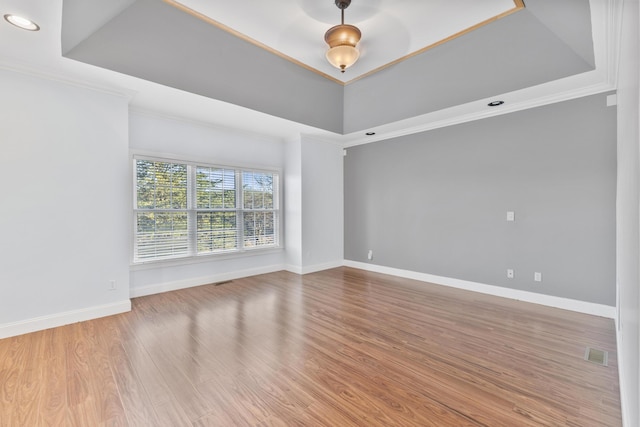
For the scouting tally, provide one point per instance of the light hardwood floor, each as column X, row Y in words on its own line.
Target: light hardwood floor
column 341, row 347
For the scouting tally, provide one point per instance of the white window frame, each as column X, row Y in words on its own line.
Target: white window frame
column 192, row 210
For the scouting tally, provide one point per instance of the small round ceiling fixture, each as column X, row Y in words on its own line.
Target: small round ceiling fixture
column 20, row 22
column 495, row 103
column 370, row 133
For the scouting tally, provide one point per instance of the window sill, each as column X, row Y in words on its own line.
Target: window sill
column 200, row 259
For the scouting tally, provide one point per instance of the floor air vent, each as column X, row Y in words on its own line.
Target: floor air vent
column 594, row 355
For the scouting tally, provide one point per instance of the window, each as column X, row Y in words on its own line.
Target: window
column 186, row 209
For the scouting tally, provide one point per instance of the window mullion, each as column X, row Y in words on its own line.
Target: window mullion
column 135, row 210
column 192, row 221
column 275, row 207
column 239, row 210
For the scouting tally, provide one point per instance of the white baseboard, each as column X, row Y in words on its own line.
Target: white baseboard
column 625, row 405
column 60, row 319
column 158, row 288
column 313, row 268
column 532, row 297
column 199, row 281
column 293, row 269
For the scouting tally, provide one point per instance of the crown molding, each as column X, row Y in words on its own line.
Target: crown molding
column 155, row 114
column 455, row 119
column 58, row 77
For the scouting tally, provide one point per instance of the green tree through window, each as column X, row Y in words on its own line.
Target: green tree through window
column 184, row 209
column 161, row 217
column 258, row 209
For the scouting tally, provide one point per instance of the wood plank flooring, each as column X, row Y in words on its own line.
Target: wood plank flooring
column 341, row 347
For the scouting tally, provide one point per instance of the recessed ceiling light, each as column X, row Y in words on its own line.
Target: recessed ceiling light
column 370, row 133
column 495, row 103
column 20, row 22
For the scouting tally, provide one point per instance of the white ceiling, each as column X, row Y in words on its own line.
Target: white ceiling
column 391, row 29
column 39, row 53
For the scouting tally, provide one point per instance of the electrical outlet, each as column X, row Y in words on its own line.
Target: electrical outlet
column 370, row 255
column 112, row 285
column 537, row 276
column 510, row 274
column 511, row 216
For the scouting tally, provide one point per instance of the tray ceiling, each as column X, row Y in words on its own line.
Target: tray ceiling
column 177, row 64
column 158, row 42
column 391, row 30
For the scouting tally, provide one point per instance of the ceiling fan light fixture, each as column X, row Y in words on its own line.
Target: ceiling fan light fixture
column 342, row 40
column 343, row 34
column 342, row 56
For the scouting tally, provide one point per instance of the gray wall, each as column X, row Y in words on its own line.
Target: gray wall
column 155, row 41
column 521, row 50
column 436, row 202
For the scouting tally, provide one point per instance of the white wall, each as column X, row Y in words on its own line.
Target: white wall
column 322, row 205
column 165, row 137
column 293, row 204
column 63, row 170
column 628, row 215
column 314, row 205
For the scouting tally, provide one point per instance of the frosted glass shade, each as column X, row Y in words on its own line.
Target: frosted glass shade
column 342, row 56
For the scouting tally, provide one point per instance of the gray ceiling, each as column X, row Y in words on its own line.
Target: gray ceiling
column 152, row 40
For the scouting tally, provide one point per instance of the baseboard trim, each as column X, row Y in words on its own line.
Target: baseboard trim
column 65, row 318
column 203, row 280
column 532, row 297
column 313, row 268
column 625, row 406
column 293, row 269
